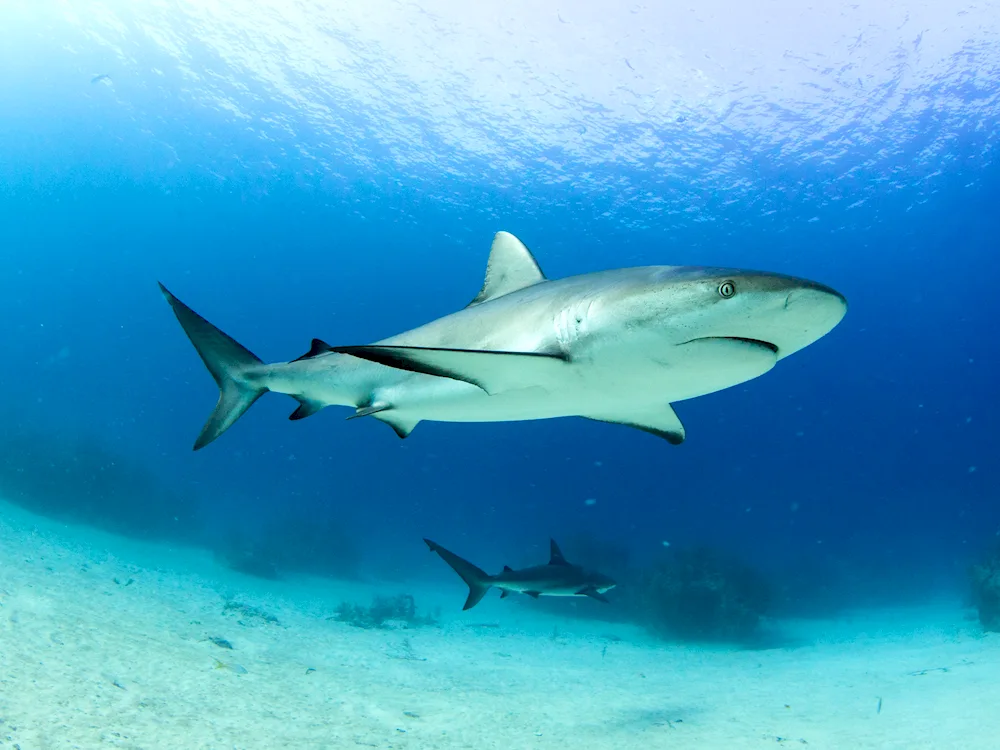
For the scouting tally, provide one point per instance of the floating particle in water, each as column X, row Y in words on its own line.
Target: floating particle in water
column 598, row 463
column 972, row 469
column 968, row 419
column 590, row 501
column 666, row 544
column 793, row 507
column 800, row 433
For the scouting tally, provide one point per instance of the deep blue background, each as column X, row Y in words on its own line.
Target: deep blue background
column 876, row 447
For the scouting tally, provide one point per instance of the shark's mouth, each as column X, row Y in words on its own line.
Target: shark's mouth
column 755, row 342
column 758, row 342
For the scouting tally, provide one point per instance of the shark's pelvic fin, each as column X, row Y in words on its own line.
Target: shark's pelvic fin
column 403, row 426
column 228, row 361
column 383, row 412
column 511, row 267
column 555, row 554
column 317, row 347
column 662, row 422
column 477, row 580
column 306, row 409
column 494, row 372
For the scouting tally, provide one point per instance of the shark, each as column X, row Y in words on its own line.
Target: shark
column 557, row 578
column 618, row 346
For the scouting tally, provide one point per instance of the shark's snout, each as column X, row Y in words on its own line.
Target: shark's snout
column 808, row 312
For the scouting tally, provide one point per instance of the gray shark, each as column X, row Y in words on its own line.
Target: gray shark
column 614, row 346
column 558, row 578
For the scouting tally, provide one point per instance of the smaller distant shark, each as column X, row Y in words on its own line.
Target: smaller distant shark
column 558, row 578
column 101, row 78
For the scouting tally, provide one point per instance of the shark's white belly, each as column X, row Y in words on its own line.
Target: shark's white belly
column 605, row 385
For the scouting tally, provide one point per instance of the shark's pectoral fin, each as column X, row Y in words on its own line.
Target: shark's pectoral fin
column 533, row 594
column 661, row 421
column 494, row 372
column 306, row 408
column 593, row 594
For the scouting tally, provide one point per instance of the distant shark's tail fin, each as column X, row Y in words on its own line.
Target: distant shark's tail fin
column 477, row 580
column 228, row 361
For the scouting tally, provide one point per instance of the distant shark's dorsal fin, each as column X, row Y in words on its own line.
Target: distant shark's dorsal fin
column 507, row 569
column 511, row 267
column 555, row 554
column 317, row 347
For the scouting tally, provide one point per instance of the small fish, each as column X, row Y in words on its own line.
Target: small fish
column 221, row 642
column 237, row 668
column 101, row 77
column 629, row 64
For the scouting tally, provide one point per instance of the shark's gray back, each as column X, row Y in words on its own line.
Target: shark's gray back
column 537, row 318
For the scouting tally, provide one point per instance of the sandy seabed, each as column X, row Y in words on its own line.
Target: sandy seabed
column 106, row 642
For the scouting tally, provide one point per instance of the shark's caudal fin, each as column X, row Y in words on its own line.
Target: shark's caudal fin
column 477, row 580
column 228, row 361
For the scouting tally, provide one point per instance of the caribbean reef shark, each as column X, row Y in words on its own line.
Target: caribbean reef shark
column 614, row 346
column 558, row 578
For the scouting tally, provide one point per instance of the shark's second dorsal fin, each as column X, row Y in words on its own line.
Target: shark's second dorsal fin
column 555, row 554
column 511, row 267
column 317, row 347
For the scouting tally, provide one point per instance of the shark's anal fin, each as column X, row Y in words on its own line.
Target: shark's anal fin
column 661, row 421
column 306, row 409
column 593, row 594
column 494, row 372
column 555, row 554
column 317, row 347
column 511, row 267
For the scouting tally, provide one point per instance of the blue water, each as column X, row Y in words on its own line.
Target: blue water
column 294, row 171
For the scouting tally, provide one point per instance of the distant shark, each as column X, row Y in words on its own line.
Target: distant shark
column 558, row 578
column 614, row 346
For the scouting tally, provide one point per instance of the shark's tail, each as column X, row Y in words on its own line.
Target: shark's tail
column 229, row 363
column 477, row 580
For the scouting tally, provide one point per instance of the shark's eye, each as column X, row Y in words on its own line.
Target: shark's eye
column 727, row 289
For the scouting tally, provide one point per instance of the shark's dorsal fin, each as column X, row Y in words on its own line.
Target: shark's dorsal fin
column 555, row 554
column 511, row 267
column 507, row 569
column 317, row 347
